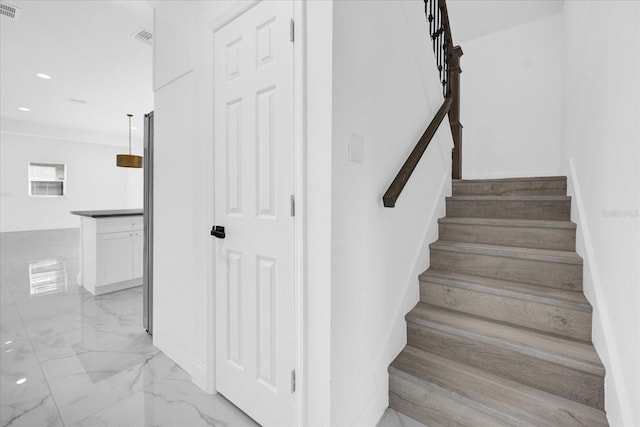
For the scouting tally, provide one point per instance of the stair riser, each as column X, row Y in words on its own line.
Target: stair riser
column 544, row 273
column 512, row 188
column 556, row 210
column 434, row 406
column 582, row 387
column 530, row 314
column 524, row 237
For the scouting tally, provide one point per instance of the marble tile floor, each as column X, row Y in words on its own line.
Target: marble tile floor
column 68, row 358
column 393, row 418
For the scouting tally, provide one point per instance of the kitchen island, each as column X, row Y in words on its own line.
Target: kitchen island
column 111, row 249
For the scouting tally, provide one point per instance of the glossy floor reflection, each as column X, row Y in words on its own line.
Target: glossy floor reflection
column 68, row 358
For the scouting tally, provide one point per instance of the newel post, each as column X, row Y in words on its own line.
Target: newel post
column 454, row 113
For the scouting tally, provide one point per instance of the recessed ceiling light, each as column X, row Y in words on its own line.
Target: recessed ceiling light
column 24, row 109
column 134, row 128
column 43, row 76
column 21, row 381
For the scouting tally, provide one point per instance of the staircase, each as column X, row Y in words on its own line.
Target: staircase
column 502, row 333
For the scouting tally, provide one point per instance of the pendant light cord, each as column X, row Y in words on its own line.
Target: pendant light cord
column 130, row 115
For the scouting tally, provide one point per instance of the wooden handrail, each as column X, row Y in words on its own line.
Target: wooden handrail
column 454, row 113
column 453, row 85
column 392, row 194
column 448, row 66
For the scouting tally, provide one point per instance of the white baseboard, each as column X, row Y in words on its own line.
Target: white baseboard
column 616, row 395
column 174, row 353
column 395, row 335
column 113, row 287
column 200, row 377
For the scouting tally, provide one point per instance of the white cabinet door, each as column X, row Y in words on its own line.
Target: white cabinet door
column 115, row 257
column 138, row 253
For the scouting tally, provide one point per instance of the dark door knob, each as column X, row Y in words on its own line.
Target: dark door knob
column 217, row 231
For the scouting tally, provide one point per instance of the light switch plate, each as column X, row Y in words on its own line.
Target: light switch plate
column 356, row 148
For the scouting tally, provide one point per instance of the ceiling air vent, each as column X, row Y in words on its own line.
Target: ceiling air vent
column 144, row 36
column 8, row 10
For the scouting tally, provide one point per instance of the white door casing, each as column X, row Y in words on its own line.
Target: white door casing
column 254, row 181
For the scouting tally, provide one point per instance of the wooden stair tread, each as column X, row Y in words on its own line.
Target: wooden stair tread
column 505, row 222
column 542, row 294
column 487, row 198
column 578, row 355
column 549, row 255
column 502, row 335
column 506, row 400
column 518, row 179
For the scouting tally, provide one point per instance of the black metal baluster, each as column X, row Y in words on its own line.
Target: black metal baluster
column 445, row 61
column 439, row 41
column 433, row 20
column 445, row 85
column 435, row 31
column 443, row 52
column 427, row 13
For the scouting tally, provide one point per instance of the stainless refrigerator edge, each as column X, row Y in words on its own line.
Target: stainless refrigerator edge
column 147, row 275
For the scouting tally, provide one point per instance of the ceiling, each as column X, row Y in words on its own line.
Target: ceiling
column 471, row 19
column 88, row 50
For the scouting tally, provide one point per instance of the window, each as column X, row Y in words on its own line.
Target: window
column 46, row 179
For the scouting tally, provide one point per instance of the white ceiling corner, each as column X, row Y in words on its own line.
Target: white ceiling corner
column 471, row 19
column 88, row 49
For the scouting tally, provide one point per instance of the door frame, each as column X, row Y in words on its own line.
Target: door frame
column 300, row 148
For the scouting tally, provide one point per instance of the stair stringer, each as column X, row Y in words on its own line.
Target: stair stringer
column 616, row 390
column 395, row 337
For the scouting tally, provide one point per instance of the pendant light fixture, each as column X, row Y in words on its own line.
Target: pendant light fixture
column 129, row 160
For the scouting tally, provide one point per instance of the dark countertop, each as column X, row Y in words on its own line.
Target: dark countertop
column 109, row 213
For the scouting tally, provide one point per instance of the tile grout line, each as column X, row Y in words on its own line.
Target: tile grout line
column 35, row 353
column 141, row 366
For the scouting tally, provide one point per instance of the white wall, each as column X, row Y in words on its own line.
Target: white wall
column 175, row 207
column 183, row 288
column 173, row 48
column 342, row 207
column 602, row 151
column 177, row 201
column 385, row 88
column 471, row 19
column 511, row 101
column 93, row 181
column 317, row 24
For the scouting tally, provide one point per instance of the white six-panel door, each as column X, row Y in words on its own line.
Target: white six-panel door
column 254, row 264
